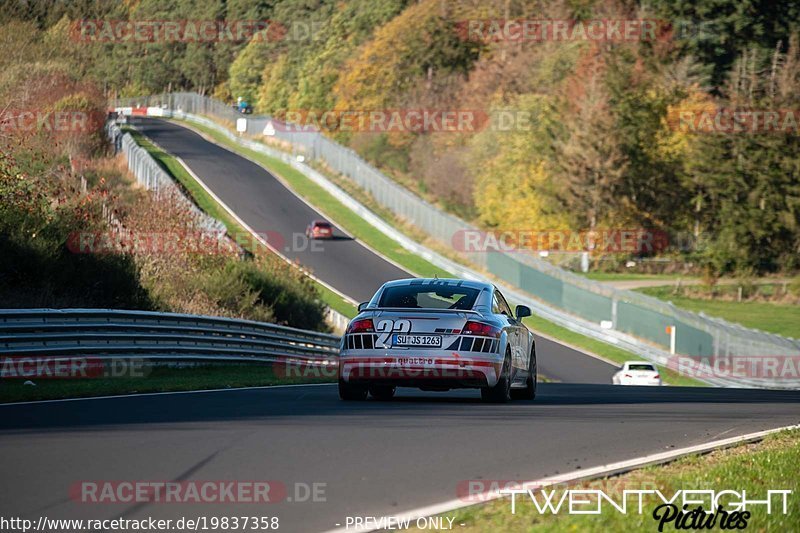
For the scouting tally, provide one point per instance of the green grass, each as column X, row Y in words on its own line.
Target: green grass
column 631, row 276
column 154, row 379
column 209, row 205
column 336, row 302
column 333, row 209
column 754, row 468
column 783, row 319
column 618, row 355
column 357, row 226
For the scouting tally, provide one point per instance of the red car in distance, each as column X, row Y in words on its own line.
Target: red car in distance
column 319, row 229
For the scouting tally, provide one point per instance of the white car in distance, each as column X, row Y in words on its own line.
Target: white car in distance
column 637, row 373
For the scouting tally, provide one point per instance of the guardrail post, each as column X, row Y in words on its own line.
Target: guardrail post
column 672, row 334
column 614, row 303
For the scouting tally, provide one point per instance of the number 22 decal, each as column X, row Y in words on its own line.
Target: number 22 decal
column 386, row 328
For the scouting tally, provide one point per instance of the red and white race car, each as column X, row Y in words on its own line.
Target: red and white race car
column 437, row 335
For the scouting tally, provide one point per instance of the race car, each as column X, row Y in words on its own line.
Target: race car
column 637, row 373
column 319, row 229
column 437, row 335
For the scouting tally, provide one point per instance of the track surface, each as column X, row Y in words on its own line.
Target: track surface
column 267, row 206
column 374, row 458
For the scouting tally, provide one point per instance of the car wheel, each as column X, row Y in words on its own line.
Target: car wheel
column 529, row 392
column 349, row 392
column 382, row 392
column 501, row 392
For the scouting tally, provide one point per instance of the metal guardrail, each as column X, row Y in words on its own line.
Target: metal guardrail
column 149, row 174
column 108, row 334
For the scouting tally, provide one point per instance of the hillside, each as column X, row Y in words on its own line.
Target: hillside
column 596, row 134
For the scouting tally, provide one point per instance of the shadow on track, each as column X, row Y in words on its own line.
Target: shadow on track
column 297, row 403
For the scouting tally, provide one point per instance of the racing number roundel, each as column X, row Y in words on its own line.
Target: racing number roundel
column 386, row 328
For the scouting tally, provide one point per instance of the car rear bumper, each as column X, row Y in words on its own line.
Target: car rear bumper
column 426, row 372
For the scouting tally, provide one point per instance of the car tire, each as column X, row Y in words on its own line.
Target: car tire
column 352, row 393
column 382, row 392
column 501, row 392
column 529, row 392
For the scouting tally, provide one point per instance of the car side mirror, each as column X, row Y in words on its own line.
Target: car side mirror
column 522, row 311
column 362, row 306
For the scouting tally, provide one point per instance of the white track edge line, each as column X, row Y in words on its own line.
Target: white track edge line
column 578, row 475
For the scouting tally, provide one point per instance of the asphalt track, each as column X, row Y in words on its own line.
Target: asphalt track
column 263, row 202
column 369, row 458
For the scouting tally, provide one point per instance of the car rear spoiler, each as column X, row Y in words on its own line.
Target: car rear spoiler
column 421, row 310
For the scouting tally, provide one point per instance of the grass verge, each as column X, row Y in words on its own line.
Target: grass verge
column 783, row 319
column 633, row 276
column 767, row 465
column 154, row 379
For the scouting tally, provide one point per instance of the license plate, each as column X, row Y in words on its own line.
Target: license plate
column 432, row 341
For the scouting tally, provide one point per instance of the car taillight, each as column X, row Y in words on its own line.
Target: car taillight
column 361, row 326
column 479, row 328
column 628, row 376
column 657, row 376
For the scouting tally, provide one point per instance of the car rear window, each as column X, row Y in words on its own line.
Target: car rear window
column 323, row 225
column 640, row 367
column 429, row 297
